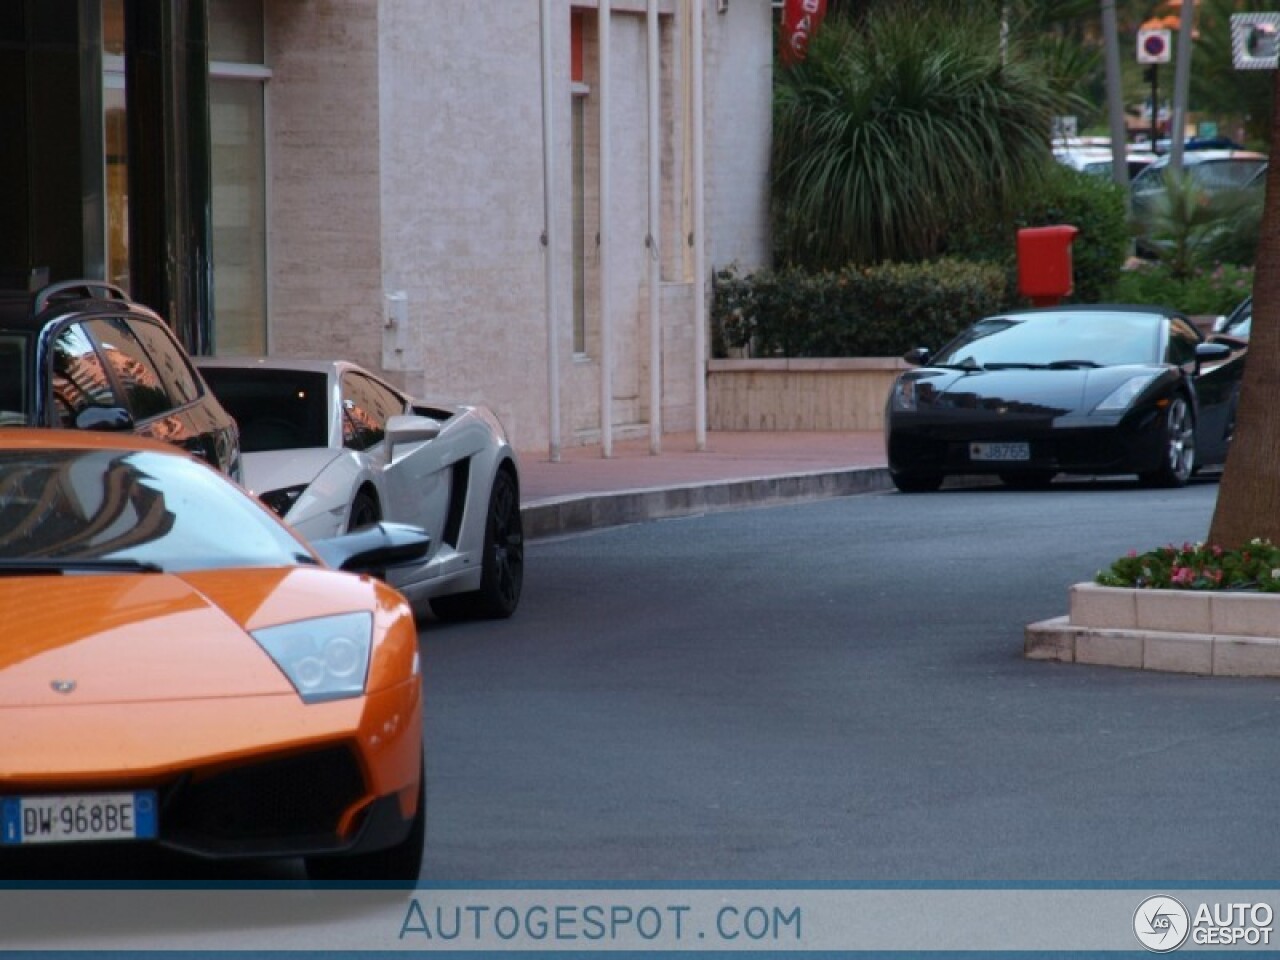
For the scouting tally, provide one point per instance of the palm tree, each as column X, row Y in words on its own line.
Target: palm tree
column 1249, row 494
column 903, row 121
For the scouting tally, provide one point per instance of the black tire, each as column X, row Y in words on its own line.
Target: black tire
column 1179, row 446
column 364, row 511
column 398, row 866
column 916, row 482
column 502, row 567
column 1031, row 480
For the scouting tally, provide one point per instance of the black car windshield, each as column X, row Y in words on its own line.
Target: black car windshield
column 15, row 369
column 1059, row 338
column 275, row 409
column 119, row 508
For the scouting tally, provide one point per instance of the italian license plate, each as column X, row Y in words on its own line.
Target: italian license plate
column 73, row 818
column 1000, row 451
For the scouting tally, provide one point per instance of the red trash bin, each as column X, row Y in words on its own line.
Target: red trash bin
column 1044, row 263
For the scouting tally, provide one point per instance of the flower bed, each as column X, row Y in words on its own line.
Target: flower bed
column 1211, row 632
column 1198, row 566
column 1190, row 609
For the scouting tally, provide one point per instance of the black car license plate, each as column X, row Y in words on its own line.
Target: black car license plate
column 1000, row 452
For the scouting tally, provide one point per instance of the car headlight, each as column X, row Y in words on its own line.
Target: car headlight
column 1122, row 396
column 281, row 501
column 326, row 658
column 903, row 396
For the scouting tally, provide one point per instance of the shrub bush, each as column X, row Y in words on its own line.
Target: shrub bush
column 1206, row 290
column 1092, row 204
column 855, row 312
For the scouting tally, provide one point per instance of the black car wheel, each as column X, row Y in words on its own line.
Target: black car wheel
column 1179, row 447
column 502, row 573
column 364, row 511
column 916, row 482
column 399, row 865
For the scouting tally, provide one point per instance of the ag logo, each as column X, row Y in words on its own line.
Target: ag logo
column 1161, row 924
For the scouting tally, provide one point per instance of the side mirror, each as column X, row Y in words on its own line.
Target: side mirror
column 405, row 428
column 375, row 548
column 918, row 357
column 1209, row 352
column 104, row 418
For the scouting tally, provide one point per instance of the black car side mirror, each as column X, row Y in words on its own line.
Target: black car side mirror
column 918, row 356
column 1211, row 351
column 104, row 418
column 375, row 548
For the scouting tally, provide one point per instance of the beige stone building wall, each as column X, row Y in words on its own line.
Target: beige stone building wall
column 324, row 211
column 406, row 182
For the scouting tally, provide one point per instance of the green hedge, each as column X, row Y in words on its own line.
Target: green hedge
column 1094, row 205
column 1210, row 291
column 856, row 312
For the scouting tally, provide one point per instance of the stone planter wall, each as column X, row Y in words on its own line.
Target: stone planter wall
column 1218, row 633
column 802, row 394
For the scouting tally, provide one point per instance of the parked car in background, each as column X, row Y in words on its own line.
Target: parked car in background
column 1030, row 394
column 331, row 447
column 180, row 669
column 1212, row 171
column 1209, row 169
column 1097, row 160
column 82, row 355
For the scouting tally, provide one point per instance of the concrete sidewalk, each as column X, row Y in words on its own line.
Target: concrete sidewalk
column 585, row 490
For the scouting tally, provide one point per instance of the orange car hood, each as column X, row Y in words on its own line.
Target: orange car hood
column 93, row 639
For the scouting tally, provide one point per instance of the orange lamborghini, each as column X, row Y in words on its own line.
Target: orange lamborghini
column 178, row 668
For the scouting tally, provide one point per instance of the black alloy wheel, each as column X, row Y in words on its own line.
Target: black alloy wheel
column 502, row 566
column 364, row 511
column 1179, row 444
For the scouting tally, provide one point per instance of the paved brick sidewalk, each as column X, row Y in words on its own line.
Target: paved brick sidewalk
column 585, row 490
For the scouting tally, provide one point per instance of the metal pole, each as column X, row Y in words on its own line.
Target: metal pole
column 606, row 202
column 1181, row 84
column 1115, row 97
column 699, row 239
column 1155, row 103
column 549, row 236
column 655, row 227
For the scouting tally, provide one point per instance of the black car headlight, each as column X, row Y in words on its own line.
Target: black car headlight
column 1122, row 397
column 281, row 501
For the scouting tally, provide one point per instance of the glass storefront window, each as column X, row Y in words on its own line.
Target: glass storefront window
column 115, row 143
column 113, row 28
column 117, row 181
column 237, row 132
column 237, row 119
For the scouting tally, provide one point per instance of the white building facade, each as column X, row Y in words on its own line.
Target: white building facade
column 408, row 182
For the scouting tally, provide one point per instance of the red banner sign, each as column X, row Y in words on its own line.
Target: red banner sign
column 800, row 20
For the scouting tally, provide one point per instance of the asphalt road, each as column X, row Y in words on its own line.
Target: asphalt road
column 835, row 692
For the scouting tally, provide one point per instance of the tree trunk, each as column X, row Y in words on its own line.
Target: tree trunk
column 1249, row 494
